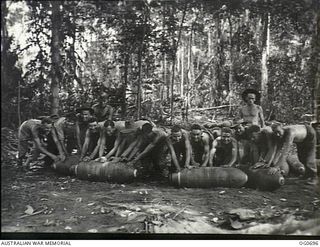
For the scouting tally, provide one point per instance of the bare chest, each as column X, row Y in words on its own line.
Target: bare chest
column 250, row 111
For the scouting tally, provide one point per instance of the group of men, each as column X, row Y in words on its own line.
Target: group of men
column 248, row 141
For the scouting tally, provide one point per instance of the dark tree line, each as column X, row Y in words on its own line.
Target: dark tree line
column 198, row 54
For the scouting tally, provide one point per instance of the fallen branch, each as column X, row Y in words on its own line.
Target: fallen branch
column 35, row 213
column 211, row 108
column 179, row 212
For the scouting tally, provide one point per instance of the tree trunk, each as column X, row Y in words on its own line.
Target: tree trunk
column 190, row 74
column 73, row 61
column 175, row 49
column 4, row 49
column 182, row 73
column 56, row 19
column 140, row 67
column 264, row 58
column 125, row 77
column 231, row 67
column 219, row 42
column 314, row 71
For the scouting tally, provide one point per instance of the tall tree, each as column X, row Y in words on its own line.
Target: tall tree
column 264, row 58
column 56, row 55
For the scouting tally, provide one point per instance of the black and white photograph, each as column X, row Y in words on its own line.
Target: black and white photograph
column 160, row 119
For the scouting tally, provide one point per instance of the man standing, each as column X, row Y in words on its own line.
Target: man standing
column 180, row 148
column 251, row 112
column 34, row 130
column 224, row 150
column 200, row 143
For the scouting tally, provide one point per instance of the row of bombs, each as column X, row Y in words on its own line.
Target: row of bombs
column 116, row 171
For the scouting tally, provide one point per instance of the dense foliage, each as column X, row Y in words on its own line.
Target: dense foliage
column 134, row 50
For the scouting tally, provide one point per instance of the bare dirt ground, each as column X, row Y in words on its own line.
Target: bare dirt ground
column 43, row 201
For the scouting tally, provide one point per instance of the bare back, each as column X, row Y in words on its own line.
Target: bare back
column 298, row 132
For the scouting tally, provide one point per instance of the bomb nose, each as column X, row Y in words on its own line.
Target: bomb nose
column 281, row 181
column 301, row 170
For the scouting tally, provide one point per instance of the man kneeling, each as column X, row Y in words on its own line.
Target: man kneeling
column 34, row 130
column 180, row 149
column 224, row 150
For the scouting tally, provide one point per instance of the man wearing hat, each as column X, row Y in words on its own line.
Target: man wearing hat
column 84, row 115
column 251, row 112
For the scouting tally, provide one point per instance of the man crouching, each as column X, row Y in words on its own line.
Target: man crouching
column 34, row 130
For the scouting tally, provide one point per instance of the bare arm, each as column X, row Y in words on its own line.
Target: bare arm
column 284, row 151
column 60, row 134
column 206, row 151
column 173, row 155
column 240, row 113
column 43, row 149
column 130, row 148
column 102, row 143
column 57, row 142
column 234, row 154
column 85, row 145
column 96, row 149
column 136, row 149
column 78, row 136
column 188, row 151
column 145, row 151
column 108, row 109
column 261, row 117
column 272, row 149
column 213, row 152
column 115, row 147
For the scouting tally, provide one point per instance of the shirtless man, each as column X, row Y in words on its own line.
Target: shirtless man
column 34, row 130
column 82, row 123
column 125, row 136
column 200, row 143
column 252, row 113
column 262, row 146
column 55, row 139
column 180, row 149
column 224, row 150
column 91, row 143
column 109, row 138
column 149, row 147
column 304, row 136
column 102, row 110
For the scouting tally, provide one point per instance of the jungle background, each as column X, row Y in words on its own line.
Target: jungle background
column 158, row 55
column 171, row 61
